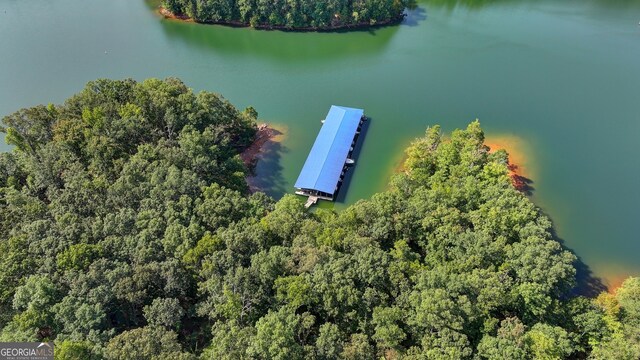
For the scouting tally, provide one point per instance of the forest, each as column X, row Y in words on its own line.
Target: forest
column 290, row 14
column 127, row 231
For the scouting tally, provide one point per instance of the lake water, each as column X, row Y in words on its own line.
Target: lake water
column 559, row 79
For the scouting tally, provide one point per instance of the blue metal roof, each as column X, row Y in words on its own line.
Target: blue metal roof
column 324, row 164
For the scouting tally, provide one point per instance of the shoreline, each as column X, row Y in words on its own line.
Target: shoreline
column 266, row 135
column 169, row 15
column 518, row 172
column 353, row 27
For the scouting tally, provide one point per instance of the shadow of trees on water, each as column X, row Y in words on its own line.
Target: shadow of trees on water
column 414, row 15
column 587, row 284
column 266, row 175
column 522, row 183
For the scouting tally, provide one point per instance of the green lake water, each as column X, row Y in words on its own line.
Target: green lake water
column 563, row 76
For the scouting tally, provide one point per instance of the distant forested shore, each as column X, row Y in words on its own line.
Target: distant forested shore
column 303, row 15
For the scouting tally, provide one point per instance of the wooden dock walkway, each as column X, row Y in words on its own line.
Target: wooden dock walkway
column 312, row 200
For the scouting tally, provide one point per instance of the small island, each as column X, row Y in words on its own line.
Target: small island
column 300, row 15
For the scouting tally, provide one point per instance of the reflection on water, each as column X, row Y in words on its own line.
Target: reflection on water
column 290, row 47
column 414, row 15
column 464, row 3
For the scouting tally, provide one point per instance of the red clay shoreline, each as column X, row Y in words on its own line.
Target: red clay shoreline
column 519, row 175
column 361, row 26
column 264, row 134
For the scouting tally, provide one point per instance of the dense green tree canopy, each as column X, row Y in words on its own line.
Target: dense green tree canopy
column 127, row 231
column 291, row 14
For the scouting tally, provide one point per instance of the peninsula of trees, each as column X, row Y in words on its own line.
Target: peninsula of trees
column 290, row 14
column 127, row 232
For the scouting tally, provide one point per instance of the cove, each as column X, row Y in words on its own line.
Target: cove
column 560, row 76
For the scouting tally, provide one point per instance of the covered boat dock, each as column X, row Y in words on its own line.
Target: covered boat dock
column 330, row 156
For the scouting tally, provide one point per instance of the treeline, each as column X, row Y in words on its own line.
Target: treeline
column 291, row 14
column 127, row 232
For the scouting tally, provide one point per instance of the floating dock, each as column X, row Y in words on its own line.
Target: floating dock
column 330, row 156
